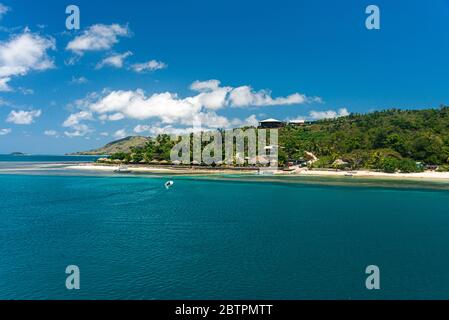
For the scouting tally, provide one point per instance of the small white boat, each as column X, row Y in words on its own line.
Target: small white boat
column 122, row 169
column 169, row 184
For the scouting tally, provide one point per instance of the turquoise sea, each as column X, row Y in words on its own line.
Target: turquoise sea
column 218, row 238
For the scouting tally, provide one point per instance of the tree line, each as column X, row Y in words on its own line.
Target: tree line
column 390, row 140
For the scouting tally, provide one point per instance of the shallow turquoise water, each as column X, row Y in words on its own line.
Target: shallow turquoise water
column 203, row 239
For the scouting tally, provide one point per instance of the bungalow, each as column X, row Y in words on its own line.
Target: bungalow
column 271, row 124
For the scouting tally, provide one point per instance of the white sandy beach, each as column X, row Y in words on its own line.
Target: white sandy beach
column 428, row 175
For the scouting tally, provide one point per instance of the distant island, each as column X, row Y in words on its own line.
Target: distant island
column 388, row 141
column 17, row 154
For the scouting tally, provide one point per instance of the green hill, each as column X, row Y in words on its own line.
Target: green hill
column 118, row 146
column 390, row 140
column 384, row 140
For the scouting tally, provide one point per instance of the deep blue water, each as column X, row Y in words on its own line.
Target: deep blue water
column 132, row 238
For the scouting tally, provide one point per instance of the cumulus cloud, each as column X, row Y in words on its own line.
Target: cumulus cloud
column 4, row 86
column 214, row 96
column 23, row 117
column 151, row 65
column 251, row 121
column 79, row 130
column 136, row 105
column 74, row 122
column 115, row 60
column 97, row 38
column 329, row 114
column 22, row 54
column 120, row 134
column 155, row 130
column 75, row 118
column 112, row 117
column 4, row 132
column 208, row 85
column 245, row 96
column 170, row 109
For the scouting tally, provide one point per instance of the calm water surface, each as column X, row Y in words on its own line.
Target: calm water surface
column 206, row 239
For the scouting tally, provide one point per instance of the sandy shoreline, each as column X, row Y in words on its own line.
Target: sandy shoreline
column 428, row 175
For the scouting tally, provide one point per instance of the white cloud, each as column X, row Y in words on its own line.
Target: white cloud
column 3, row 10
column 75, row 118
column 251, row 121
column 113, row 117
column 79, row 130
column 120, row 134
column 115, row 60
column 4, row 86
column 97, row 38
column 214, row 96
column 151, row 65
column 205, row 85
column 51, row 133
column 245, row 96
column 104, row 134
column 208, row 119
column 23, row 117
column 329, row 114
column 157, row 130
column 79, row 80
column 136, row 105
column 4, row 132
column 74, row 122
column 170, row 109
column 22, row 54
column 214, row 99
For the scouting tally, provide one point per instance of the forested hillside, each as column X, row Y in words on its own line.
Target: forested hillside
column 389, row 140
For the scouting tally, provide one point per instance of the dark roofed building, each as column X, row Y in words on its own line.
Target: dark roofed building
column 271, row 124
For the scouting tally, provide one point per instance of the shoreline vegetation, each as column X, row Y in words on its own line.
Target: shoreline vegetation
column 406, row 144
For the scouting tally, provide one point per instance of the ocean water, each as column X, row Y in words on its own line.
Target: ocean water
column 46, row 158
column 212, row 239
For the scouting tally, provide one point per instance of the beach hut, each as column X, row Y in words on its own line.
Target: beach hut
column 164, row 162
column 154, row 162
column 176, row 162
column 340, row 164
column 195, row 163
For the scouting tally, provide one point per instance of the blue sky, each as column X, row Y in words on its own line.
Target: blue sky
column 144, row 67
